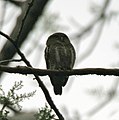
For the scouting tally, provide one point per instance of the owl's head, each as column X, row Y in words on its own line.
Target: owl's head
column 58, row 38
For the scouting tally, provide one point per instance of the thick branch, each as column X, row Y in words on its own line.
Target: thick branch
column 42, row 72
column 17, row 3
column 8, row 50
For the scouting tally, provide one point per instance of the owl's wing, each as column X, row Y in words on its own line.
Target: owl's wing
column 61, row 57
column 51, row 57
column 47, row 57
column 71, row 55
column 65, row 56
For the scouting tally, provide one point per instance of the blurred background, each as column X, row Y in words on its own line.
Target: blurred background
column 93, row 29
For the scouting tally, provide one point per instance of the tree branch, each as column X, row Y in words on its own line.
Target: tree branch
column 10, row 60
column 17, row 3
column 41, row 85
column 8, row 50
column 42, row 72
column 94, row 22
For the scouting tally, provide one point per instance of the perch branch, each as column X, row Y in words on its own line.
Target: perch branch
column 42, row 72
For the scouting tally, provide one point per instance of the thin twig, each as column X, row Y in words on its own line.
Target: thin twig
column 10, row 60
column 4, row 105
column 93, row 44
column 23, row 20
column 94, row 22
column 44, row 89
column 105, row 102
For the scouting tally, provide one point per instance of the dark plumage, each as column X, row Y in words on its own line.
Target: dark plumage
column 59, row 55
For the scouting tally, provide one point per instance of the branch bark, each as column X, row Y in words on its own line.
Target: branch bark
column 8, row 51
column 94, row 22
column 42, row 72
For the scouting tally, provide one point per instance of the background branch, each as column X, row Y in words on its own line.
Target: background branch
column 101, row 16
column 17, row 3
column 8, row 50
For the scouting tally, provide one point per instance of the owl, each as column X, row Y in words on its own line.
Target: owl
column 59, row 55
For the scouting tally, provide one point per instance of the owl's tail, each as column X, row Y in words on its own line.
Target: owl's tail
column 58, row 82
column 58, row 89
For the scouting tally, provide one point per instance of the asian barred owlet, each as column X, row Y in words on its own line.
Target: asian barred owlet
column 59, row 55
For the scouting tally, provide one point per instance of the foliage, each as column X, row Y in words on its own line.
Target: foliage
column 44, row 114
column 3, row 116
column 12, row 99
